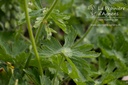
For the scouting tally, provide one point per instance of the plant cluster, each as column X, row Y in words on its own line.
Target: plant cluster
column 45, row 42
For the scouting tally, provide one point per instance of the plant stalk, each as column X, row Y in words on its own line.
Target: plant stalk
column 57, row 70
column 45, row 17
column 32, row 37
column 88, row 30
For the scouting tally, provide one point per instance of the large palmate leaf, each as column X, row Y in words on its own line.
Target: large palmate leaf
column 81, row 51
column 52, row 47
column 75, row 65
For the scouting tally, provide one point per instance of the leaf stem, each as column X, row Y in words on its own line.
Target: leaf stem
column 57, row 70
column 88, row 30
column 45, row 17
column 32, row 37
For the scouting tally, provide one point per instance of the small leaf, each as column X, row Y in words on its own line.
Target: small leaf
column 35, row 13
column 38, row 22
column 59, row 19
column 49, row 31
column 40, row 18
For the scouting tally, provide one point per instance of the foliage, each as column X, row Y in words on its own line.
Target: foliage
column 55, row 43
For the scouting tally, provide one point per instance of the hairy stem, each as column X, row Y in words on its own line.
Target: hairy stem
column 88, row 30
column 45, row 17
column 32, row 37
column 57, row 70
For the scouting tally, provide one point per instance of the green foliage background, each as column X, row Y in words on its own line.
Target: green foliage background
column 71, row 50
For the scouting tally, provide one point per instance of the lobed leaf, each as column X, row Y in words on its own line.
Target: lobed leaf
column 11, row 45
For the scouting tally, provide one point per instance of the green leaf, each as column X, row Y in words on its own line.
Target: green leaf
column 56, row 16
column 52, row 44
column 105, row 42
column 53, row 47
column 70, row 37
column 111, row 66
column 102, row 63
column 91, row 54
column 59, row 19
column 119, row 41
column 74, row 73
column 83, row 67
column 49, row 31
column 35, row 13
column 56, row 82
column 32, row 76
column 40, row 17
column 117, row 56
column 44, row 62
column 67, row 51
column 38, row 22
column 45, row 80
column 5, row 57
column 84, row 51
column 20, row 59
column 119, row 82
column 11, row 45
column 50, row 47
column 124, row 47
column 109, row 77
column 83, row 48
